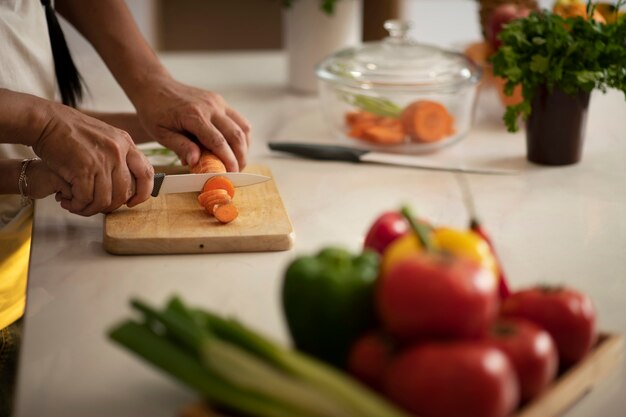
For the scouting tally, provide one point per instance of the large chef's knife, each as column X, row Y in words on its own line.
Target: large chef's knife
column 184, row 183
column 344, row 153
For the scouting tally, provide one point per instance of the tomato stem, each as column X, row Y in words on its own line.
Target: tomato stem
column 421, row 232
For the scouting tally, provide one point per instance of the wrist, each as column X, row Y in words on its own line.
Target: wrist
column 9, row 176
column 142, row 84
column 23, row 181
column 23, row 117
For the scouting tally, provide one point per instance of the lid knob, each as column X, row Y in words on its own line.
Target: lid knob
column 398, row 29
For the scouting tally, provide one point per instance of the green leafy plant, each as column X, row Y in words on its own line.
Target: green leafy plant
column 328, row 6
column 571, row 54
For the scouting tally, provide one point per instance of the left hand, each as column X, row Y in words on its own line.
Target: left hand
column 174, row 114
column 42, row 182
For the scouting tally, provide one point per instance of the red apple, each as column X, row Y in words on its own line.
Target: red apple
column 387, row 228
column 426, row 295
column 500, row 16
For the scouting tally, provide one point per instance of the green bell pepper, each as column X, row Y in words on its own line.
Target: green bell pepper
column 328, row 301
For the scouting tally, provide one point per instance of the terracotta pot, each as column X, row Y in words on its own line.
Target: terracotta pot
column 556, row 127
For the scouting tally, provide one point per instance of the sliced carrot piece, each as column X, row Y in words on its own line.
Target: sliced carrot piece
column 206, row 195
column 210, row 204
column 208, row 163
column 219, row 183
column 388, row 133
column 225, row 213
column 218, row 191
column 374, row 128
column 427, row 121
column 361, row 117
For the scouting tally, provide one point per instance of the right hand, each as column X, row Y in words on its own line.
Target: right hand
column 101, row 163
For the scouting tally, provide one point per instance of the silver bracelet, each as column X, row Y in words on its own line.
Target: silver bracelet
column 22, row 182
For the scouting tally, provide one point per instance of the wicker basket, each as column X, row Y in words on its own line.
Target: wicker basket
column 487, row 7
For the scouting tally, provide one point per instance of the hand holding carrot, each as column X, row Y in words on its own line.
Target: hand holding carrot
column 176, row 114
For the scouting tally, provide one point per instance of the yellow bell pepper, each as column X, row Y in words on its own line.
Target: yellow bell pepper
column 462, row 243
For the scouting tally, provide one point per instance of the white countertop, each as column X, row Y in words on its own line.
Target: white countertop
column 553, row 225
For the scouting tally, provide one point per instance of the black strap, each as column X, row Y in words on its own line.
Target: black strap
column 68, row 78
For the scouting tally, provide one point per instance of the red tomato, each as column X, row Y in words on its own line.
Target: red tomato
column 387, row 228
column 427, row 295
column 464, row 378
column 369, row 357
column 568, row 315
column 530, row 349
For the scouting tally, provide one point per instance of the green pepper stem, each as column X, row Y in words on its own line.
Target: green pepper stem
column 420, row 231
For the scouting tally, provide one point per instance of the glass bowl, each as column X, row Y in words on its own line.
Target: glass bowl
column 398, row 95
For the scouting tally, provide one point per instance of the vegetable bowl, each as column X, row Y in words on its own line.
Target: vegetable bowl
column 398, row 95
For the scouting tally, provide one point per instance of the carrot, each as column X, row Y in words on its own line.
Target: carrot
column 427, row 121
column 218, row 191
column 208, row 163
column 216, row 201
column 219, row 183
column 385, row 134
column 225, row 213
column 207, row 195
column 373, row 128
column 360, row 117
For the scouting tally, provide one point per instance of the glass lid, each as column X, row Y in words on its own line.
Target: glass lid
column 399, row 62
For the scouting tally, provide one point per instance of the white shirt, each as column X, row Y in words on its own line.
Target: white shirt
column 27, row 66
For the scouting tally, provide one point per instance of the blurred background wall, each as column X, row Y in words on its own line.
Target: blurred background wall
column 174, row 25
column 210, row 25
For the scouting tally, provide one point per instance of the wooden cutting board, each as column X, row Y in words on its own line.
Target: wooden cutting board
column 177, row 223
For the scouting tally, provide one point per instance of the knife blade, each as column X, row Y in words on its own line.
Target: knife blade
column 184, row 183
column 345, row 153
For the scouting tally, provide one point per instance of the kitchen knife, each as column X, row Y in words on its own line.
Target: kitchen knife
column 344, row 153
column 184, row 183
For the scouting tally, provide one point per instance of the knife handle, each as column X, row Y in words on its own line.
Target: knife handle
column 319, row 152
column 158, row 181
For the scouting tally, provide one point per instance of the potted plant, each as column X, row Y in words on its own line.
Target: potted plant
column 559, row 61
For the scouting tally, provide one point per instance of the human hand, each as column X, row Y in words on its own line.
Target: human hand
column 100, row 162
column 42, row 182
column 175, row 114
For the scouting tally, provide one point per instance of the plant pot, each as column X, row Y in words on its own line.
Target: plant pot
column 556, row 126
column 310, row 35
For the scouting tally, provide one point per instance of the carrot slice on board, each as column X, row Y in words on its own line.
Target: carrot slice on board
column 206, row 195
column 208, row 163
column 219, row 183
column 210, row 204
column 427, row 121
column 225, row 213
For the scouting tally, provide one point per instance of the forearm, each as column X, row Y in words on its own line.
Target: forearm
column 128, row 122
column 22, row 117
column 109, row 26
column 9, row 176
